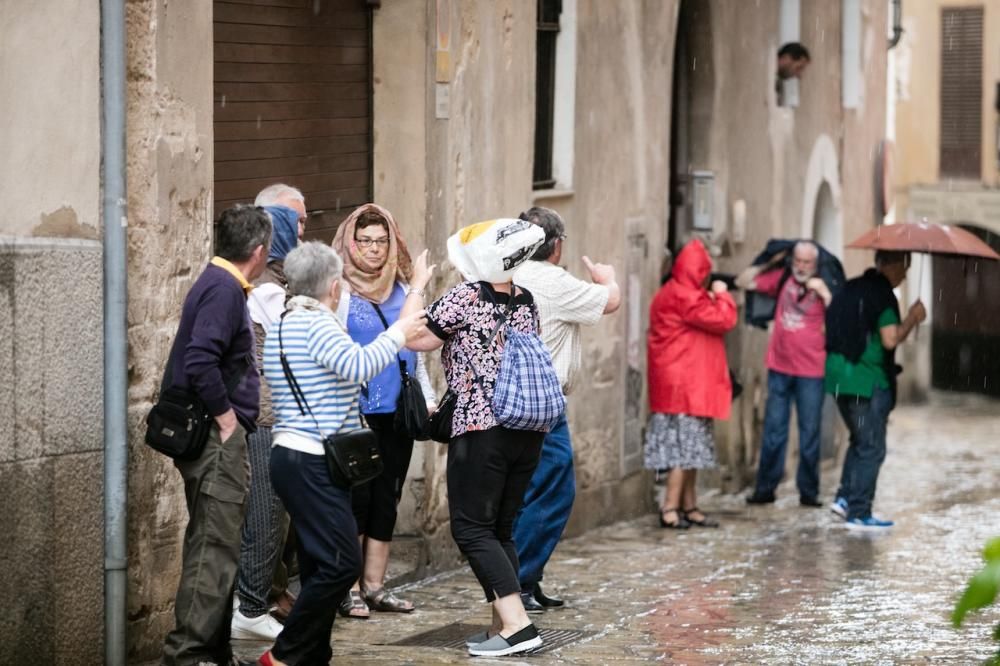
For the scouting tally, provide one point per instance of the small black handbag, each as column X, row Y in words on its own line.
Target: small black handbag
column 178, row 424
column 411, row 407
column 352, row 458
column 438, row 425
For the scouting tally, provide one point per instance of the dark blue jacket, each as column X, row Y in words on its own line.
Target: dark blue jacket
column 760, row 308
column 215, row 343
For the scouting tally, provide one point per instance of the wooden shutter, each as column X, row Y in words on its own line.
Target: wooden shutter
column 293, row 104
column 961, row 92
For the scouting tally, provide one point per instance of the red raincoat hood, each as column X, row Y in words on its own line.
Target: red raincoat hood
column 692, row 266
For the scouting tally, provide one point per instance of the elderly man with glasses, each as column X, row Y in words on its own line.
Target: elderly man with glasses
column 565, row 303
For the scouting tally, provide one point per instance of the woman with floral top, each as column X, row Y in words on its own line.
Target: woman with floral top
column 489, row 466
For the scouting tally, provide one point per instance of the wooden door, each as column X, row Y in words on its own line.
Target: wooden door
column 293, row 104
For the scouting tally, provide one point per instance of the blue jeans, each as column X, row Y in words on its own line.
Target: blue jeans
column 547, row 505
column 866, row 420
column 808, row 395
column 328, row 549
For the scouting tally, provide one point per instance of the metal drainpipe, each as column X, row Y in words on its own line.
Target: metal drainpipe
column 897, row 23
column 115, row 224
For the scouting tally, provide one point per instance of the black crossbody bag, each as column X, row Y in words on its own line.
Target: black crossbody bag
column 439, row 424
column 411, row 407
column 178, row 424
column 352, row 458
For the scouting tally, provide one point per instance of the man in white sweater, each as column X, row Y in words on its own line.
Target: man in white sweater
column 565, row 303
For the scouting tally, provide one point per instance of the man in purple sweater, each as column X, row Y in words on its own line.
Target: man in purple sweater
column 213, row 354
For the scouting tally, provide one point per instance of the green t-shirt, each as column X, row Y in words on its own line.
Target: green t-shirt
column 861, row 378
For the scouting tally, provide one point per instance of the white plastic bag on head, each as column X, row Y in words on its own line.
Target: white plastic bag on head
column 493, row 250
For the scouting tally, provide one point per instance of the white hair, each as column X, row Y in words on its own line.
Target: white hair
column 273, row 194
column 807, row 245
column 311, row 268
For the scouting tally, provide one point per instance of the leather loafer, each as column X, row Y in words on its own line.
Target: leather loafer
column 530, row 605
column 546, row 601
column 761, row 498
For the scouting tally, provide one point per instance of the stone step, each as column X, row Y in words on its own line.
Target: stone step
column 408, row 559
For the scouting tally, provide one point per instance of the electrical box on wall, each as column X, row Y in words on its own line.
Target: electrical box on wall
column 702, row 200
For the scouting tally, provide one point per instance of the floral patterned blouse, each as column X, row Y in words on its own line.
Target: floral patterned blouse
column 464, row 319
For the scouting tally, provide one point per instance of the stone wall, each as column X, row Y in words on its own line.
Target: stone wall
column 170, row 221
column 51, row 451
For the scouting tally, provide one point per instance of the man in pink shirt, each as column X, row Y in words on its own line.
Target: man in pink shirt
column 796, row 356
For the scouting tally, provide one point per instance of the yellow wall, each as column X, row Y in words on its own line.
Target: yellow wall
column 918, row 90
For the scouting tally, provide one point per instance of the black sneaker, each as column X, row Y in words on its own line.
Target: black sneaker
column 529, row 603
column 498, row 646
column 805, row 500
column 761, row 498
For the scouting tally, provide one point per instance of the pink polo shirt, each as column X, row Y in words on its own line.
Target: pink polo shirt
column 798, row 340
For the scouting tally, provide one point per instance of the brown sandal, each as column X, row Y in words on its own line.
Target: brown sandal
column 385, row 601
column 354, row 606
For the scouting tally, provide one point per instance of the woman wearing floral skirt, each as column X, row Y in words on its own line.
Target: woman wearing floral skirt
column 689, row 382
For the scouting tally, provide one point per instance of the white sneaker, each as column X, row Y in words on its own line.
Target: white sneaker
column 263, row 628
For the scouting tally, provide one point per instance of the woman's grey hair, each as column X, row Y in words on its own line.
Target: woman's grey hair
column 272, row 195
column 551, row 224
column 311, row 268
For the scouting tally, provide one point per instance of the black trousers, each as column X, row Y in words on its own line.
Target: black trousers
column 374, row 503
column 488, row 474
column 328, row 550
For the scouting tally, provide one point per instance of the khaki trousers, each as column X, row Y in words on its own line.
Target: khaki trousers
column 215, row 486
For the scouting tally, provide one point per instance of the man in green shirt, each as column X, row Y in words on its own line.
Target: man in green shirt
column 863, row 329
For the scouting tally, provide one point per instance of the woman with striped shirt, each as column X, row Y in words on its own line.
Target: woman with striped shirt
column 330, row 369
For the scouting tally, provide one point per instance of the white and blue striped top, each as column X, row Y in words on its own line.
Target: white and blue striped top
column 329, row 368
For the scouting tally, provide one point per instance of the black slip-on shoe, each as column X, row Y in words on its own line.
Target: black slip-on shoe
column 498, row 646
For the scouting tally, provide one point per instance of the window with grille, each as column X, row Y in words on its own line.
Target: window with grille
column 545, row 85
column 961, row 92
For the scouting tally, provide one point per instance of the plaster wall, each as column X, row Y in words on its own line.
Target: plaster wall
column 616, row 213
column 918, row 91
column 50, row 129
column 169, row 91
column 50, row 335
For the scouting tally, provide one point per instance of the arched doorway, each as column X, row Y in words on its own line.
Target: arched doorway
column 828, row 232
column 827, row 229
column 965, row 337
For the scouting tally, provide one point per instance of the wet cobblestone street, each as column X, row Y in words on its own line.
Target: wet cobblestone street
column 778, row 584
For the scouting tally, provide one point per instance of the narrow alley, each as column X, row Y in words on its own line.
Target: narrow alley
column 779, row 584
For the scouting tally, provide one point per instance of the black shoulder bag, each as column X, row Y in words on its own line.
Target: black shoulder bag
column 352, row 458
column 178, row 424
column 439, row 423
column 411, row 407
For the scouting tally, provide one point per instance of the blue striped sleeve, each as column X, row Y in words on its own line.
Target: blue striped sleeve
column 331, row 346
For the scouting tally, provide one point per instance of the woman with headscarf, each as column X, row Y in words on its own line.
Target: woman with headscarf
column 489, row 466
column 689, row 381
column 265, row 523
column 377, row 270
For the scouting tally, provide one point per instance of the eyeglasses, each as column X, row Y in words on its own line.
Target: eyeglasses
column 368, row 242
